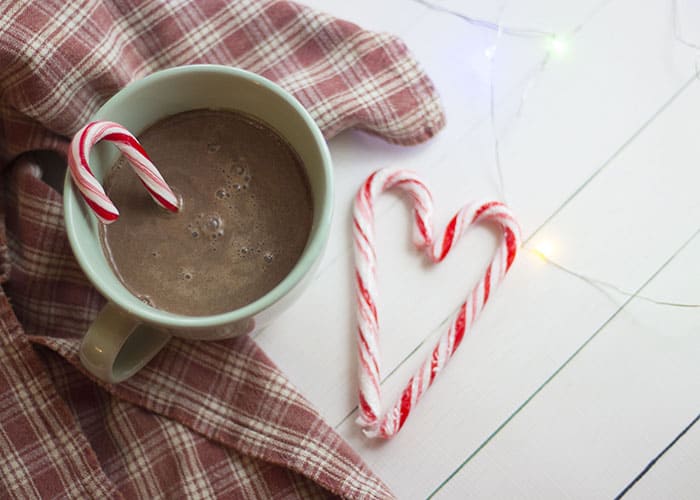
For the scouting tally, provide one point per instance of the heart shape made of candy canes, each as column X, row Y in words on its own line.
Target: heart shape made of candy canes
column 384, row 426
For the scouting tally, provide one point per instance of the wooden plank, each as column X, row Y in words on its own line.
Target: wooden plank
column 578, row 114
column 675, row 473
column 629, row 391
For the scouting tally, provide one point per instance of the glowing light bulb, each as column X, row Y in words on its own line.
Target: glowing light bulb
column 544, row 250
column 558, row 45
column 490, row 52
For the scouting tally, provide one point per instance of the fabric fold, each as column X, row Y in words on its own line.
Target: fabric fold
column 209, row 398
column 203, row 418
column 55, row 78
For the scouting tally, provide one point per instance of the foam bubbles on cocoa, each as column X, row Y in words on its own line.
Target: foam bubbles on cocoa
column 146, row 299
column 185, row 274
column 245, row 221
column 213, row 222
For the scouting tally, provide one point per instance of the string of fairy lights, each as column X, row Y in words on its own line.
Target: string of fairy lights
column 556, row 45
column 678, row 32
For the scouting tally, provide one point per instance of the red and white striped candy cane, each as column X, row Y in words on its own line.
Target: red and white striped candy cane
column 373, row 423
column 90, row 188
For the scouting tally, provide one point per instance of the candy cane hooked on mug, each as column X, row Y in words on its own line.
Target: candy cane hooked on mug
column 370, row 418
column 90, row 188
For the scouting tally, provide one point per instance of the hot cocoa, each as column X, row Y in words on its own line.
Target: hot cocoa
column 245, row 219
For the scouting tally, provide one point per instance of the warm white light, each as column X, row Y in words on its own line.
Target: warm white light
column 544, row 249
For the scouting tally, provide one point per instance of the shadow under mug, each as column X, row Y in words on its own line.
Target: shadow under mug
column 127, row 333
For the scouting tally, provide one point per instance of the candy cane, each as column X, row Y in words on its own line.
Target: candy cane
column 90, row 188
column 373, row 423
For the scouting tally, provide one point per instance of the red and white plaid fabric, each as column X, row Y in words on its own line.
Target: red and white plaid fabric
column 202, row 419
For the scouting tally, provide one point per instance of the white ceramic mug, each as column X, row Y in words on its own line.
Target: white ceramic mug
column 127, row 333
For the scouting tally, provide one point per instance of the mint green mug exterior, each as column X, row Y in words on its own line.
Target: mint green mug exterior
column 128, row 333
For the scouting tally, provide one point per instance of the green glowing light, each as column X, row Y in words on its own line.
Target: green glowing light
column 558, row 46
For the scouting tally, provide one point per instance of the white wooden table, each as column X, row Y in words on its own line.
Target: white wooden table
column 562, row 389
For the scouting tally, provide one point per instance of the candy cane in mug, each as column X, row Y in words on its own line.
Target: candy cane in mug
column 373, row 422
column 90, row 188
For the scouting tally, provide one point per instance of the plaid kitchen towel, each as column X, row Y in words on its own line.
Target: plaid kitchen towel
column 202, row 419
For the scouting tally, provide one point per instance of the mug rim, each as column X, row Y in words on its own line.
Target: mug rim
column 312, row 250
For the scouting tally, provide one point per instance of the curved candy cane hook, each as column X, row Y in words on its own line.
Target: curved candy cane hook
column 90, row 188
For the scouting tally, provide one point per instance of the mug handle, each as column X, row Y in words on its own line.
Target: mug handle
column 116, row 345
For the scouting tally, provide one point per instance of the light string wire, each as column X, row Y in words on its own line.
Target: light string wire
column 680, row 38
column 606, row 285
column 492, row 105
column 677, row 32
column 493, row 26
column 552, row 37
